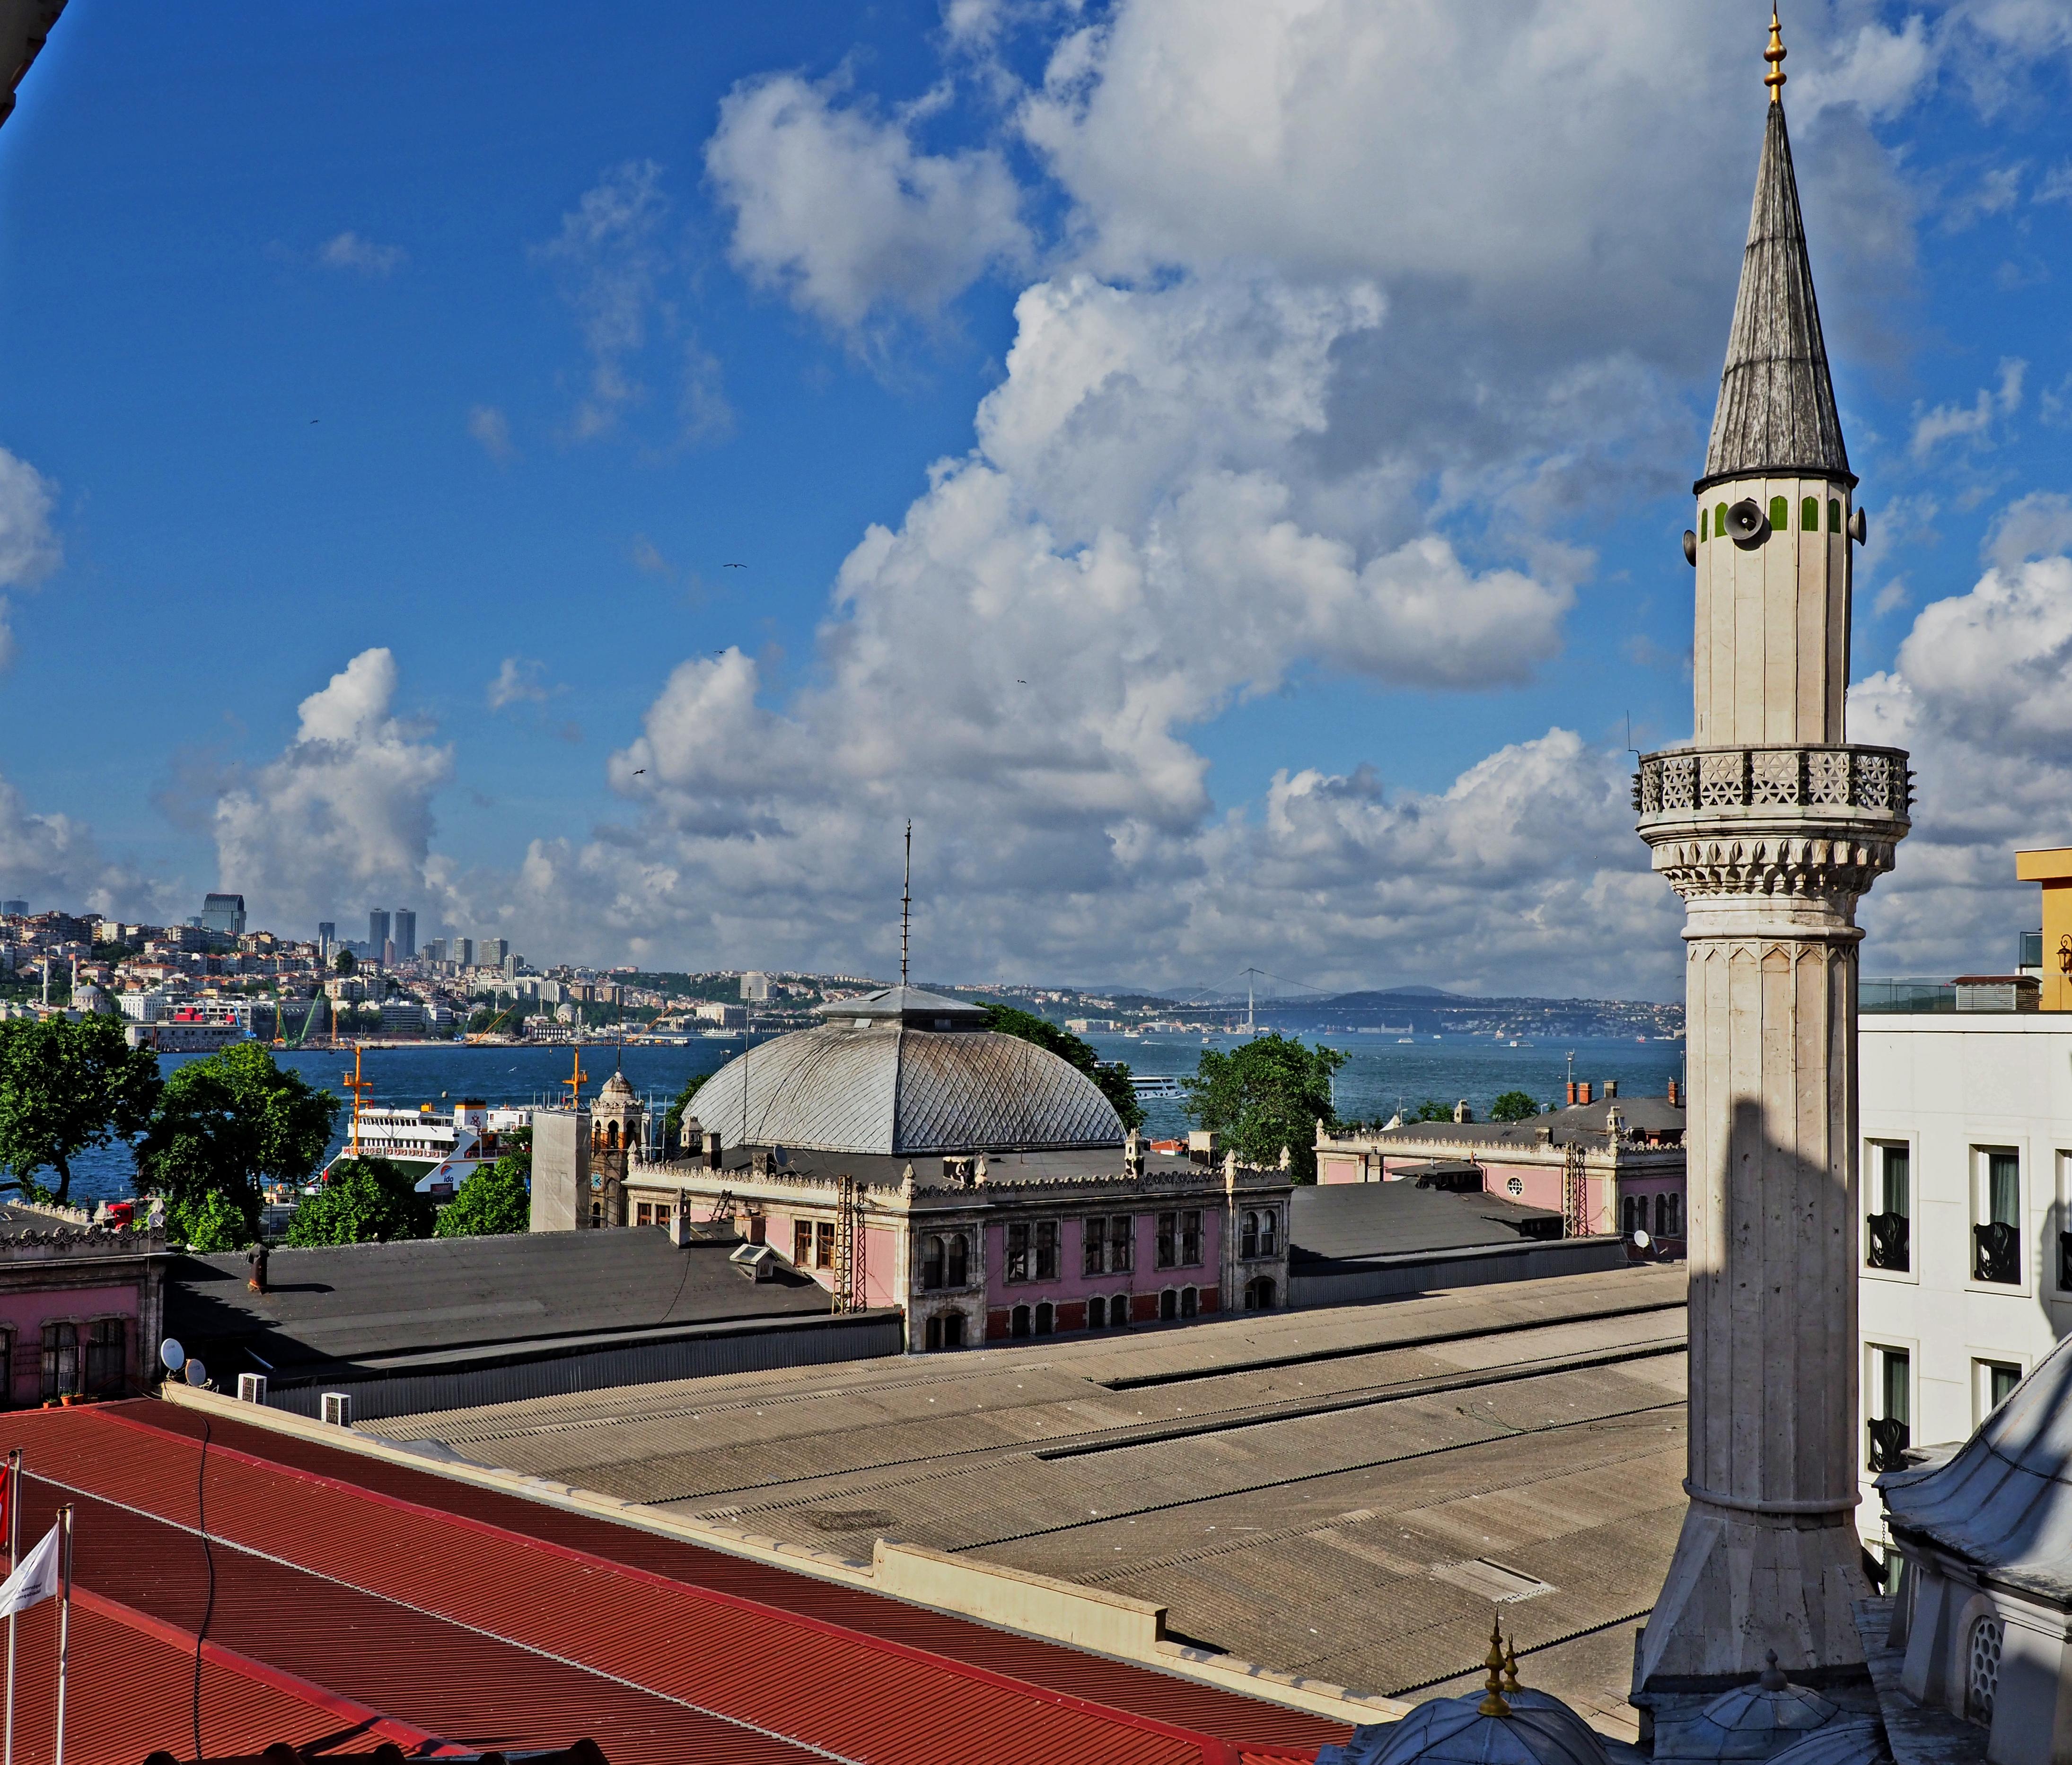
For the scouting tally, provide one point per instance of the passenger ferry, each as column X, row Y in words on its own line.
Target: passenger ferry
column 440, row 1149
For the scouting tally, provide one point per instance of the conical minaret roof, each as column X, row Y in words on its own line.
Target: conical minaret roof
column 1777, row 411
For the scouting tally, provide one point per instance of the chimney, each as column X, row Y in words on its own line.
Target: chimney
column 712, row 1151
column 1133, row 1154
column 1676, row 1099
column 1462, row 1112
column 1582, row 1090
column 1572, row 1094
column 1611, row 1089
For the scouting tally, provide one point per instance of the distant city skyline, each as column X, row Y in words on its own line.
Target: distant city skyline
column 605, row 534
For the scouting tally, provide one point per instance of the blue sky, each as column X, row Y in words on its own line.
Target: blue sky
column 1360, row 374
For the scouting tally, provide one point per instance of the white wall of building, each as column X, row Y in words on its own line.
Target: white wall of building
column 1954, row 1092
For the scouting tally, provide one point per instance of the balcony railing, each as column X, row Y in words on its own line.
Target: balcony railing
column 1874, row 779
column 1887, row 1240
column 1888, row 1443
column 1997, row 1253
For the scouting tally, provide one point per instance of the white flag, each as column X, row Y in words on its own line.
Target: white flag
column 35, row 1578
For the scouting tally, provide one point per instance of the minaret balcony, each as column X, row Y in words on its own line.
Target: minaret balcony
column 1871, row 786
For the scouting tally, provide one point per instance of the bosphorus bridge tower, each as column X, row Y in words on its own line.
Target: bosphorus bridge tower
column 1769, row 825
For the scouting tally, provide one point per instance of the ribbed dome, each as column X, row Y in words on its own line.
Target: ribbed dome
column 1539, row 1731
column 871, row 1084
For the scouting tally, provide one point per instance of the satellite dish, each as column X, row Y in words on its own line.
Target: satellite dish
column 174, row 1356
column 1642, row 1240
column 196, row 1373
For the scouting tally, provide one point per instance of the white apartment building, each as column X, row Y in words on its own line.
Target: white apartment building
column 1966, row 1282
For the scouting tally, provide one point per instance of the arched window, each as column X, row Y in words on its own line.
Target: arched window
column 1705, row 525
column 1168, row 1304
column 1809, row 514
column 1780, row 515
column 1720, row 520
column 1269, row 1235
column 1662, row 1214
column 60, row 1360
column 1046, row 1319
column 1675, row 1228
column 1017, row 1323
column 932, row 1335
column 1982, row 1677
column 1258, row 1294
column 1251, row 1244
column 1096, row 1313
column 953, row 1329
column 597, row 1213
column 1190, row 1302
column 932, row 1264
column 1834, row 515
column 958, row 1271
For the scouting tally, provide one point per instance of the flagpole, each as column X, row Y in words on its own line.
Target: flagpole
column 14, row 1561
column 64, row 1623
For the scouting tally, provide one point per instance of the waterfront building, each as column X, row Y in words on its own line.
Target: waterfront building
column 1769, row 825
column 1611, row 1165
column 905, row 1154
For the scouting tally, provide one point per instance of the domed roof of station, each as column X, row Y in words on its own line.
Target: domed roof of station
column 904, row 1073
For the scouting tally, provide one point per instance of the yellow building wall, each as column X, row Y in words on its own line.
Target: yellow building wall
column 2053, row 869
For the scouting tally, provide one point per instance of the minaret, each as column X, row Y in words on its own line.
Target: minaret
column 1770, row 825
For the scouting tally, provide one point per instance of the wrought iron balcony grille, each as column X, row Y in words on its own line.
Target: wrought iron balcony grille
column 1888, row 1441
column 2065, row 1262
column 1875, row 780
column 1887, row 1240
column 1997, row 1253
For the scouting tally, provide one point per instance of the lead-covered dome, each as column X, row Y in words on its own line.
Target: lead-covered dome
column 904, row 1073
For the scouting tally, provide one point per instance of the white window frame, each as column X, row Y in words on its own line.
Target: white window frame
column 1871, row 1394
column 1977, row 1151
column 2057, row 1219
column 1872, row 1189
column 1981, row 1382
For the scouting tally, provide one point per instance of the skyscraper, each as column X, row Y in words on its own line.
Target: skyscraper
column 1770, row 826
column 406, row 934
column 327, row 936
column 377, row 931
column 224, row 914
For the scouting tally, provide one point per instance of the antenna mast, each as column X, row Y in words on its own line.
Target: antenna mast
column 906, row 900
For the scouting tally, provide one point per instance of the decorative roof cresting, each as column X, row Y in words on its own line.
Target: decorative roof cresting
column 1776, row 414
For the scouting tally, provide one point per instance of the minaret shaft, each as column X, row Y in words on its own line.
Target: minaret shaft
column 1771, row 826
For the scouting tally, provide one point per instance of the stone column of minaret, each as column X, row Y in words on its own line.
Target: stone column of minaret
column 1770, row 826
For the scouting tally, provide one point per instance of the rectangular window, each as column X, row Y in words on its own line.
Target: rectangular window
column 1993, row 1383
column 1891, row 1408
column 932, row 1264
column 107, row 1365
column 1169, row 1237
column 1996, row 1235
column 1888, row 1227
column 60, row 1360
column 1018, row 1252
column 1190, row 1237
column 6, row 1369
column 1249, row 1242
column 824, row 1244
column 1121, row 1244
column 1269, row 1234
column 802, row 1244
column 1094, row 1248
column 1046, row 1250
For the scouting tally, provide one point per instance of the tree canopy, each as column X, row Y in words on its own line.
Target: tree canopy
column 492, row 1201
column 1265, row 1096
column 226, row 1126
column 1113, row 1080
column 361, row 1201
column 65, row 1088
column 1513, row 1106
column 1431, row 1109
column 345, row 962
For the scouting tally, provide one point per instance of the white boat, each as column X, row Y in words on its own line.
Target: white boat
column 441, row 1149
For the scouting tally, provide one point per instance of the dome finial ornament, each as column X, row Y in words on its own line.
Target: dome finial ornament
column 1493, row 1703
column 1774, row 55
column 1510, row 1684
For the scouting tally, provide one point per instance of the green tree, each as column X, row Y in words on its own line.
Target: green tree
column 673, row 1123
column 361, row 1201
column 229, row 1125
column 1265, row 1096
column 1513, row 1106
column 66, row 1088
column 345, row 962
column 1113, row 1080
column 494, row 1200
column 1431, row 1109
column 210, row 1223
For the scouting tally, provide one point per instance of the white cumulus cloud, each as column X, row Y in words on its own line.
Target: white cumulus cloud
column 29, row 547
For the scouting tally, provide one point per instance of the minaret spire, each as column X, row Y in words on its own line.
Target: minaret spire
column 1776, row 413
column 906, row 900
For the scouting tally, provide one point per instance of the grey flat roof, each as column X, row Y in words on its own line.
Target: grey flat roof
column 1583, row 1121
column 1343, row 1221
column 882, row 1170
column 352, row 1302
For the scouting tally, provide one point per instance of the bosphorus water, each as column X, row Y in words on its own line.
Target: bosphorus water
column 1381, row 1073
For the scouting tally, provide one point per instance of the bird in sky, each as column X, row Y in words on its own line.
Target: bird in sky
column 1019, row 683
column 637, row 770
column 733, row 566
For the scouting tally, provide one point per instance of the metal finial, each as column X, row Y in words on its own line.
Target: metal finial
column 1493, row 1703
column 1774, row 55
column 906, row 901
column 1510, row 1684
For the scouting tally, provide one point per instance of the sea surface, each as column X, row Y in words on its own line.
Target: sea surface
column 1381, row 1075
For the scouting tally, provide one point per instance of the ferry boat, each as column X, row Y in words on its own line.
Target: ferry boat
column 440, row 1149
column 1155, row 1085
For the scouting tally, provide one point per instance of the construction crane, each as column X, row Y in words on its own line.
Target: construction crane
column 575, row 1081
column 355, row 1084
column 489, row 1028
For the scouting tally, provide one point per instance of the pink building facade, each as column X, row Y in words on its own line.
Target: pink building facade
column 82, row 1308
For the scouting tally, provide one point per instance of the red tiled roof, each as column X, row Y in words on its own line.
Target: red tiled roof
column 490, row 1620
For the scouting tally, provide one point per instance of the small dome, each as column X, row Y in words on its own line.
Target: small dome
column 615, row 1088
column 1857, row 1740
column 1749, row 1721
column 1528, row 1727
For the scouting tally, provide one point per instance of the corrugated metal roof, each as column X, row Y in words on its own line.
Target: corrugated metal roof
column 472, row 1630
column 897, row 1091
